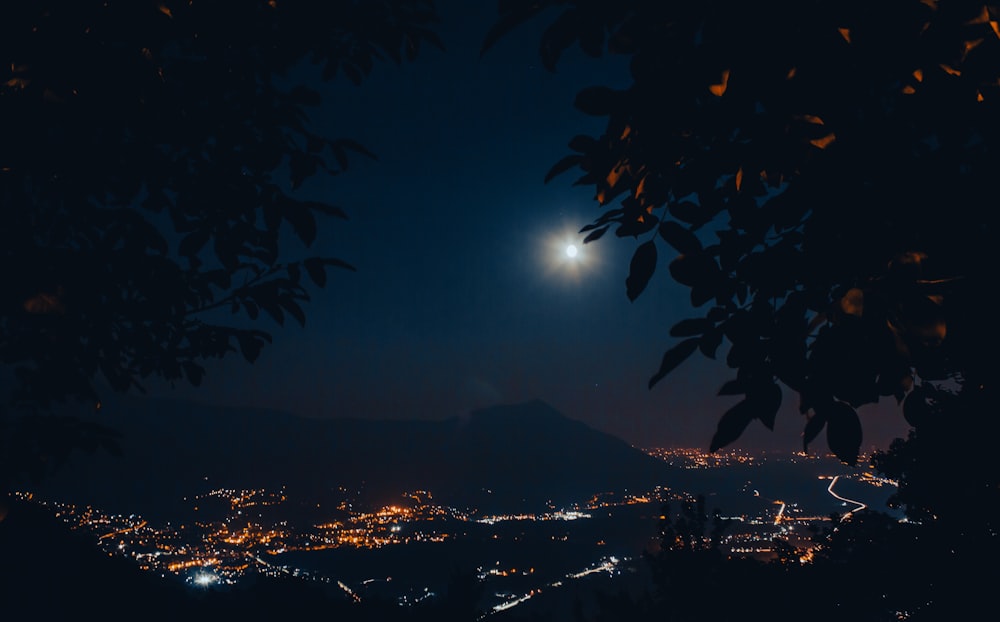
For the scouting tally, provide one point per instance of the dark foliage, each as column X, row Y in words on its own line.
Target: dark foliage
column 148, row 177
column 868, row 566
column 817, row 174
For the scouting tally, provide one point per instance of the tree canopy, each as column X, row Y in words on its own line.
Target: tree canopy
column 150, row 164
column 819, row 175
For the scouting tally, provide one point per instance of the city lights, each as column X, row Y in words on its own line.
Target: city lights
column 243, row 532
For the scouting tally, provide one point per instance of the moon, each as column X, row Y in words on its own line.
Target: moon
column 563, row 255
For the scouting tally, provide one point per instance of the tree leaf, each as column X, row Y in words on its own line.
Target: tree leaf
column 352, row 72
column 710, row 342
column 694, row 269
column 843, row 430
column 193, row 242
column 596, row 100
column 294, row 310
column 337, row 263
column 271, row 306
column 814, row 425
column 514, row 17
column 325, row 208
column 674, row 357
column 317, row 272
column 765, row 400
column 301, row 166
column 562, row 166
column 302, row 220
column 558, row 36
column 690, row 327
column 679, row 237
column 251, row 308
column 640, row 269
column 596, row 235
column 700, row 294
column 732, row 387
column 347, row 144
column 689, row 212
column 194, row 372
column 294, row 272
column 305, row 96
column 916, row 409
column 250, row 346
column 732, row 424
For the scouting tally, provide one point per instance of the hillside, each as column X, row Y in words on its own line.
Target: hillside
column 504, row 457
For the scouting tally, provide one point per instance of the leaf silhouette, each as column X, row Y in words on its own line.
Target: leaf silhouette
column 679, row 237
column 814, row 425
column 720, row 89
column 732, row 424
column 596, row 100
column 596, row 234
column 689, row 327
column 694, row 269
column 674, row 357
column 843, row 430
column 640, row 269
column 765, row 400
column 916, row 409
column 515, row 15
column 558, row 36
column 732, row 387
column 314, row 267
column 562, row 166
column 710, row 341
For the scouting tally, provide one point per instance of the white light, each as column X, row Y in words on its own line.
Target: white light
column 205, row 578
column 563, row 256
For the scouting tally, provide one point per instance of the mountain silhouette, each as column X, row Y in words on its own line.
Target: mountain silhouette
column 508, row 457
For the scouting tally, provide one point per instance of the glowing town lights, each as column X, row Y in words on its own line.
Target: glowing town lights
column 225, row 550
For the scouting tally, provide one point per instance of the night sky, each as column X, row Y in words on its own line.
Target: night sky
column 464, row 296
